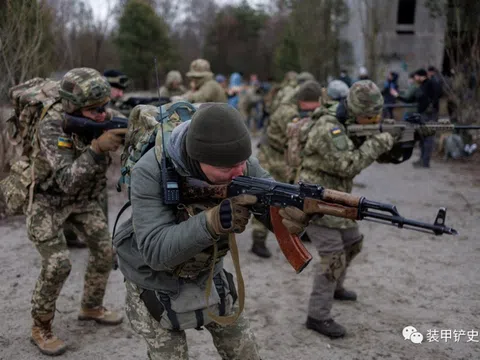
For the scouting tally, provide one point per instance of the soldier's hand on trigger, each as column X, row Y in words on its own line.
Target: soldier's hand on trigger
column 294, row 219
column 231, row 215
column 109, row 141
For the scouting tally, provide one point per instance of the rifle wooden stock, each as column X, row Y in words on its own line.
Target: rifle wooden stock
column 291, row 245
column 312, row 206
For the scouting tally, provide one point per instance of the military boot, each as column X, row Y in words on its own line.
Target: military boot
column 72, row 239
column 259, row 247
column 101, row 315
column 326, row 327
column 43, row 337
column 345, row 295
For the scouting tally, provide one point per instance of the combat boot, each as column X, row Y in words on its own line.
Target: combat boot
column 260, row 249
column 43, row 337
column 259, row 246
column 101, row 315
column 326, row 327
column 345, row 295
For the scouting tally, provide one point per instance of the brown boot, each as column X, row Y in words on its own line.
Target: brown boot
column 100, row 315
column 43, row 337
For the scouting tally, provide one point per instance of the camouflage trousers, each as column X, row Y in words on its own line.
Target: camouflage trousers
column 69, row 228
column 233, row 342
column 274, row 162
column 337, row 248
column 45, row 230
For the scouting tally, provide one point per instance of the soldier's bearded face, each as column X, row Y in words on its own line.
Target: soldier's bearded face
column 222, row 175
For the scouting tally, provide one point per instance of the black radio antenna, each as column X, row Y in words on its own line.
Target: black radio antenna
column 160, row 115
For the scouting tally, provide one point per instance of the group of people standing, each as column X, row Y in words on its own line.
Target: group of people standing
column 169, row 255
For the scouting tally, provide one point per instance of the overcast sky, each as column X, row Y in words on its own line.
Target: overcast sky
column 100, row 7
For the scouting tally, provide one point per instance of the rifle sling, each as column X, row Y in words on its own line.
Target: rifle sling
column 230, row 319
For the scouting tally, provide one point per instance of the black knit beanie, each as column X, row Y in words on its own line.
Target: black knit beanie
column 218, row 136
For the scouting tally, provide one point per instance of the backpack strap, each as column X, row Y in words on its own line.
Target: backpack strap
column 35, row 152
column 124, row 207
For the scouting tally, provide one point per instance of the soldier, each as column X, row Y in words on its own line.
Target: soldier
column 204, row 88
column 77, row 167
column 173, row 85
column 118, row 84
column 290, row 94
column 287, row 87
column 271, row 154
column 332, row 159
column 166, row 253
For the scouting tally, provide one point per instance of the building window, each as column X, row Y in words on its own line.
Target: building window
column 406, row 16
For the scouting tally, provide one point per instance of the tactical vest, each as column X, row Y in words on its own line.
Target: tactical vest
column 202, row 261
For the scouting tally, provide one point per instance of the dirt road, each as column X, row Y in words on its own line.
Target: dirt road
column 402, row 278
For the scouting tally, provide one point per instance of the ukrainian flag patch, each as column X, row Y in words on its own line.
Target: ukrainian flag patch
column 336, row 131
column 64, row 142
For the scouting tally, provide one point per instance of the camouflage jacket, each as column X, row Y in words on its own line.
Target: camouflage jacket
column 209, row 91
column 166, row 92
column 277, row 126
column 286, row 93
column 271, row 153
column 332, row 160
column 71, row 171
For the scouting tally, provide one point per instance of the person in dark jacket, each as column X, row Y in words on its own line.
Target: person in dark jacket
column 427, row 97
column 390, row 83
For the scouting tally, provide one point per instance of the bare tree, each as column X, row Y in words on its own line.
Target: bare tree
column 462, row 48
column 374, row 14
column 82, row 38
column 24, row 35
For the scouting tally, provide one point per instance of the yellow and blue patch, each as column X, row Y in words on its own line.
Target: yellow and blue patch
column 64, row 142
column 336, row 131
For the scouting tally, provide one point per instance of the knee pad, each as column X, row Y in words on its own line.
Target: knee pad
column 353, row 250
column 58, row 265
column 332, row 265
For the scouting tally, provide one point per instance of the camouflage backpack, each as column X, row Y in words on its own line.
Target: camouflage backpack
column 144, row 132
column 297, row 135
column 31, row 101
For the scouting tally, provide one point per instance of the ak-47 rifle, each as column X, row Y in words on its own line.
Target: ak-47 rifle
column 89, row 129
column 408, row 129
column 311, row 199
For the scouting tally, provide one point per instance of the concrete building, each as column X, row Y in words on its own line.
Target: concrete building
column 401, row 33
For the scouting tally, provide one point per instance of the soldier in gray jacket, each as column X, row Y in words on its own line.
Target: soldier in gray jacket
column 166, row 252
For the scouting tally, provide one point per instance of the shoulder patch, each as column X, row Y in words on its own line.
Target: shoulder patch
column 64, row 142
column 336, row 131
column 339, row 138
